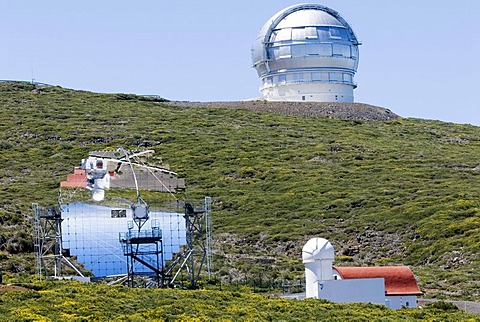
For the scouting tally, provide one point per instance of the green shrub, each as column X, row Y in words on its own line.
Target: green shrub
column 442, row 305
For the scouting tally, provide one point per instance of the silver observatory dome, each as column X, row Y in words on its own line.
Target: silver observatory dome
column 306, row 52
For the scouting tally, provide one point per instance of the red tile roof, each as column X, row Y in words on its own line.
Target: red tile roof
column 77, row 179
column 399, row 280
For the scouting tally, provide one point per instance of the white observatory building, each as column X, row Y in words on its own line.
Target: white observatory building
column 393, row 286
column 306, row 52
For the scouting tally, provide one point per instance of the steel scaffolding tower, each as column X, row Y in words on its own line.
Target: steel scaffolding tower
column 208, row 235
column 49, row 255
column 198, row 251
column 143, row 249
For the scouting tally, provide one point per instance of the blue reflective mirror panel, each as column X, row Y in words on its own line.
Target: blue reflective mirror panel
column 91, row 233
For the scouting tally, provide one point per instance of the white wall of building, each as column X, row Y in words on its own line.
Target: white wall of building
column 355, row 290
column 398, row 301
column 309, row 92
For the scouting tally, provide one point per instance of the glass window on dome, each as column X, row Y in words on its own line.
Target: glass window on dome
column 298, row 34
column 325, row 49
column 311, row 33
column 338, row 33
column 297, row 77
column 354, row 52
column 274, row 52
column 313, row 49
column 282, row 79
column 298, row 50
column 283, row 35
column 319, row 76
column 347, row 78
column 323, row 33
column 334, row 77
column 341, row 50
column 285, row 52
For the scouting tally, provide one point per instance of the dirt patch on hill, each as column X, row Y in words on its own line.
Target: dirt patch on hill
column 337, row 110
column 15, row 288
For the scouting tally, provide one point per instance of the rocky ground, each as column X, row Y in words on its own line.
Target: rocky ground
column 338, row 110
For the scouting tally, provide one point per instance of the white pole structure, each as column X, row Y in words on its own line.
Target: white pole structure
column 318, row 256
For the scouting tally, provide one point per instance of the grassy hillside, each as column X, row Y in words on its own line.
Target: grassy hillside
column 403, row 191
column 76, row 302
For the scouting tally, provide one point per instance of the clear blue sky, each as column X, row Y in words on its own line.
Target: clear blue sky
column 418, row 58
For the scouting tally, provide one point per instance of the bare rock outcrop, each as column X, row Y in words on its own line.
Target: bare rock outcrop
column 337, row 110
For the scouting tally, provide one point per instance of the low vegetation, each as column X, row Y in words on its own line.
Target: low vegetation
column 403, row 191
column 79, row 302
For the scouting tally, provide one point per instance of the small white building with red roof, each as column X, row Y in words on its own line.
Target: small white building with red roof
column 393, row 286
column 401, row 288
